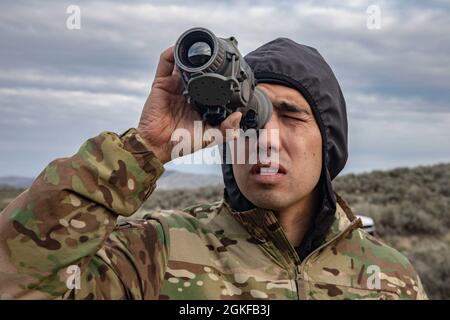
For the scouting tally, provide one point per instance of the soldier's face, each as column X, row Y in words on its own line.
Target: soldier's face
column 300, row 154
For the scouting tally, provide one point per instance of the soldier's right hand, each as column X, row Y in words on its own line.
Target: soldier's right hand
column 166, row 110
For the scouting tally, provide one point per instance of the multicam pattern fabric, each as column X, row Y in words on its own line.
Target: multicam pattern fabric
column 68, row 218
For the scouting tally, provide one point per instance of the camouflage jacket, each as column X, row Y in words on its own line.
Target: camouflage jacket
column 60, row 239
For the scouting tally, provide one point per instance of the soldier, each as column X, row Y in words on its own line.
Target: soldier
column 281, row 236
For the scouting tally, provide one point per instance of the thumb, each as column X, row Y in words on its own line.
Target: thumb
column 232, row 122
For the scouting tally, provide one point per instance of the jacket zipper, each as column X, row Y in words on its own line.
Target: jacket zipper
column 299, row 281
column 299, row 265
column 299, row 277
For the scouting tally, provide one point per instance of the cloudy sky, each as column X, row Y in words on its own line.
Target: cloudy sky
column 59, row 87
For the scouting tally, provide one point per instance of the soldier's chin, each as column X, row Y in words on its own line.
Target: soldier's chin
column 268, row 200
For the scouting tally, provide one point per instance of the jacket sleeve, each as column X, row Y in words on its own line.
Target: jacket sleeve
column 421, row 293
column 59, row 238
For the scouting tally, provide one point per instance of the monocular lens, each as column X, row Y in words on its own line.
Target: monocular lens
column 199, row 53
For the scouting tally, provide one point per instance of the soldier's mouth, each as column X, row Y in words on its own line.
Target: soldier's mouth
column 267, row 174
column 267, row 169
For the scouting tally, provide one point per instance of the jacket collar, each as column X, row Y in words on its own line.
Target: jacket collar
column 263, row 225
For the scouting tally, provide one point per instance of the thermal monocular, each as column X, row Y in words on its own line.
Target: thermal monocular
column 218, row 81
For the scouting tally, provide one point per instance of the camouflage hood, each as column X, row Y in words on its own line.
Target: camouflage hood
column 285, row 62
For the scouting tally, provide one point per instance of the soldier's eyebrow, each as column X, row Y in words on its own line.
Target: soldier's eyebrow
column 288, row 106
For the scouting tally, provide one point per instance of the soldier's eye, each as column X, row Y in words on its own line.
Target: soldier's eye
column 293, row 118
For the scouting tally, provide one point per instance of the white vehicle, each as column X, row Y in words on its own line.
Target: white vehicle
column 368, row 224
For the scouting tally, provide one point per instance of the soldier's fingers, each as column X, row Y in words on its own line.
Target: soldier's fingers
column 228, row 130
column 230, row 127
column 176, row 71
column 166, row 63
column 231, row 122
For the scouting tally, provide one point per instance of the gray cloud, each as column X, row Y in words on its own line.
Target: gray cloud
column 59, row 87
